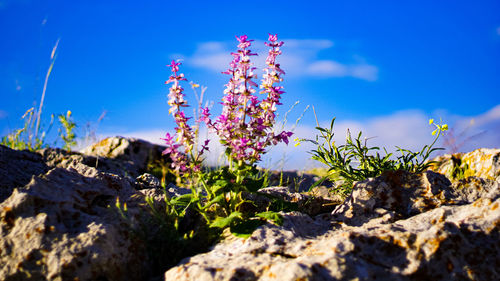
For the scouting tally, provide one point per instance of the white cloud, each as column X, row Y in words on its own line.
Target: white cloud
column 327, row 68
column 364, row 71
column 312, row 44
column 483, row 130
column 210, row 55
column 490, row 116
column 299, row 58
column 215, row 62
column 408, row 129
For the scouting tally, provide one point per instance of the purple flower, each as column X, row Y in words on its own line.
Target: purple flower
column 174, row 65
column 183, row 162
column 244, row 42
column 204, row 147
column 272, row 39
column 205, row 115
column 283, row 136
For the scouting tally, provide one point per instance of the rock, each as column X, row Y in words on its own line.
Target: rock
column 17, row 169
column 399, row 226
column 306, row 203
column 483, row 163
column 327, row 193
column 58, row 221
column 147, row 180
column 405, row 194
column 61, row 225
column 55, row 157
column 135, row 152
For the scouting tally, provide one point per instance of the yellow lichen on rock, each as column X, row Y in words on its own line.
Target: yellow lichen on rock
column 483, row 163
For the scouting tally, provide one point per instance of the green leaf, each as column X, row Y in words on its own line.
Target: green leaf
column 245, row 229
column 219, row 198
column 254, row 185
column 182, row 200
column 221, row 183
column 271, row 216
column 331, row 124
column 223, row 222
column 282, row 205
column 321, row 129
column 320, row 181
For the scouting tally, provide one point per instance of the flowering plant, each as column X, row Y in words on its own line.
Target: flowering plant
column 245, row 129
column 245, row 125
column 188, row 161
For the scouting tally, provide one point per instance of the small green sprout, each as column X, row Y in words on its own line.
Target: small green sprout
column 67, row 135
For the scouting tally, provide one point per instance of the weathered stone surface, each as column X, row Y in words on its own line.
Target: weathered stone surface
column 55, row 157
column 410, row 227
column 17, row 168
column 307, row 203
column 135, row 152
column 147, row 180
column 55, row 224
column 405, row 194
column 59, row 227
column 482, row 163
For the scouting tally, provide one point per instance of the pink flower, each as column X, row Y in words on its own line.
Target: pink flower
column 205, row 115
column 283, row 136
column 244, row 42
column 273, row 39
column 174, row 65
column 245, row 125
column 204, row 147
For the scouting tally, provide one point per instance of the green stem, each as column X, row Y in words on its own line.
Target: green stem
column 432, row 144
column 239, row 178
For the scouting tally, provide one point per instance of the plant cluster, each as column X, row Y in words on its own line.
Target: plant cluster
column 245, row 128
column 29, row 137
column 356, row 161
column 33, row 138
column 67, row 135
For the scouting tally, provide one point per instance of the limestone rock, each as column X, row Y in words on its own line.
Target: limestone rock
column 17, row 168
column 136, row 152
column 412, row 227
column 57, row 222
column 307, row 203
column 404, row 194
column 55, row 157
column 147, row 180
column 482, row 163
column 59, row 227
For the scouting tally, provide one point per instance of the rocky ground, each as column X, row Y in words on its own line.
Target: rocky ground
column 58, row 222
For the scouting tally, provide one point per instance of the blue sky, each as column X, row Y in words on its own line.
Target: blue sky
column 383, row 67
